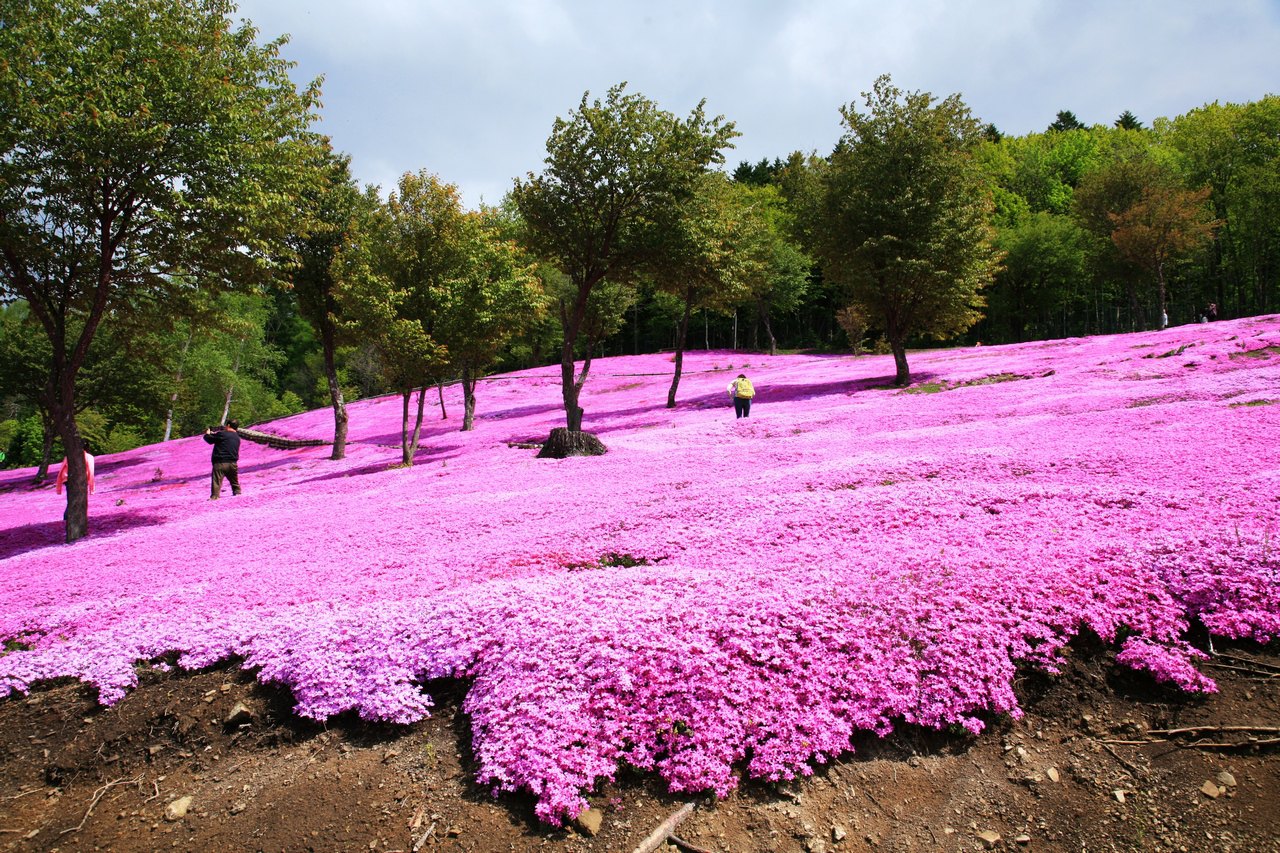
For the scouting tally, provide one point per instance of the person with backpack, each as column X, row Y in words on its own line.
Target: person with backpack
column 742, row 391
column 226, row 457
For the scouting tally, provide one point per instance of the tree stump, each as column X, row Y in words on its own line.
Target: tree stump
column 564, row 442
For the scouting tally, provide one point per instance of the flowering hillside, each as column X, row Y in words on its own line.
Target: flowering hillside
column 713, row 595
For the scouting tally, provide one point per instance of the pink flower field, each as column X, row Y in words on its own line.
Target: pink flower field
column 713, row 597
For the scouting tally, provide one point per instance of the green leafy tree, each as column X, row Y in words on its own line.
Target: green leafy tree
column 774, row 269
column 1117, row 186
column 1066, row 120
column 1234, row 149
column 1046, row 262
column 615, row 169
column 491, row 295
column 230, row 367
column 137, row 137
column 388, row 273
column 1128, row 121
column 758, row 174
column 333, row 208
column 1165, row 222
column 25, row 354
column 703, row 264
column 904, row 218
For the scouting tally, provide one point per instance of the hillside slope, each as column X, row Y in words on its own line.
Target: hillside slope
column 713, row 595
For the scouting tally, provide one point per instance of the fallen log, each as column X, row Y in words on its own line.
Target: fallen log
column 655, row 839
column 278, row 442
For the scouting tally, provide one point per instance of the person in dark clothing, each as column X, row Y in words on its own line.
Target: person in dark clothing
column 226, row 457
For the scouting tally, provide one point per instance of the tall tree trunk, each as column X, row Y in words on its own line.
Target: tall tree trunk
column 76, row 516
column 768, row 326
column 49, row 433
column 468, row 398
column 571, row 385
column 339, row 404
column 177, row 381
column 409, row 441
column 235, row 372
column 1164, row 308
column 417, row 424
column 406, row 456
column 903, row 376
column 681, row 331
column 444, row 415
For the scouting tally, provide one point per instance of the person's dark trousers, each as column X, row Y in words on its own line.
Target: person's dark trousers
column 742, row 406
column 231, row 471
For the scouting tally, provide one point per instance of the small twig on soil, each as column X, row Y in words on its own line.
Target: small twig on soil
column 1135, row 742
column 156, row 794
column 21, row 794
column 876, row 802
column 1128, row 766
column 98, row 795
column 1200, row 744
column 655, row 839
column 421, row 839
column 1262, row 674
column 680, row 842
column 1193, row 730
column 1250, row 661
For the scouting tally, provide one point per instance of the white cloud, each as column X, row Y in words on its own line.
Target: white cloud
column 469, row 90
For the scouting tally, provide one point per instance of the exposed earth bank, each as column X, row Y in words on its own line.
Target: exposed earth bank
column 214, row 761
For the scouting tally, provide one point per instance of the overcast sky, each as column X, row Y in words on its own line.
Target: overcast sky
column 468, row 89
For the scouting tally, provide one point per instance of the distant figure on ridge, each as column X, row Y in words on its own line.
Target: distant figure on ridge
column 62, row 473
column 226, row 457
column 741, row 391
column 1164, row 319
column 1211, row 313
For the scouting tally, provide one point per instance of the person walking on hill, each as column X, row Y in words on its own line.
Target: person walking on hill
column 742, row 391
column 62, row 472
column 226, row 457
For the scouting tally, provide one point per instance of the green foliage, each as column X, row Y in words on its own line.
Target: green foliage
column 904, row 216
column 617, row 173
column 1234, row 149
column 25, row 446
column 1065, row 121
column 145, row 145
column 1128, row 121
column 491, row 294
column 1046, row 263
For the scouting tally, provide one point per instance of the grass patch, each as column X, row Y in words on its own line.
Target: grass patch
column 1250, row 403
column 944, row 385
column 1261, row 352
column 1179, row 351
column 926, row 388
column 1153, row 401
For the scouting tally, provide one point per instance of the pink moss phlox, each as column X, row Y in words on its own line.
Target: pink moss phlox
column 713, row 597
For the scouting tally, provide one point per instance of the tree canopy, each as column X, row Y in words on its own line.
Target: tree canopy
column 905, row 213
column 145, row 144
column 616, row 170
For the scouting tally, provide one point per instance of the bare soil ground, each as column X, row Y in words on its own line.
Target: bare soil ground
column 1086, row 769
